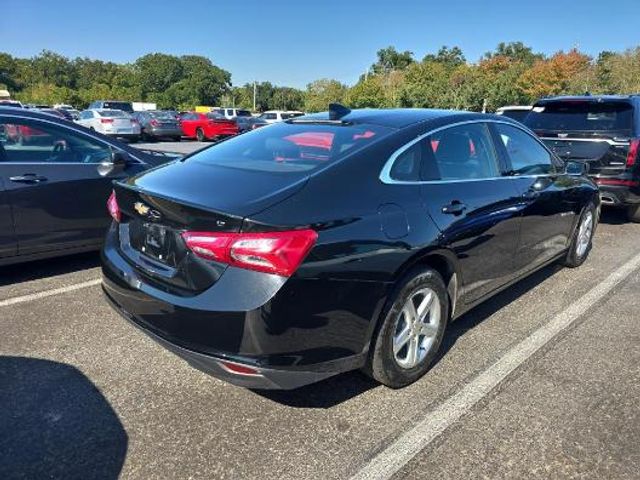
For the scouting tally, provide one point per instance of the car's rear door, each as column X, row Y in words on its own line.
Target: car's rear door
column 8, row 242
column 546, row 194
column 55, row 186
column 472, row 204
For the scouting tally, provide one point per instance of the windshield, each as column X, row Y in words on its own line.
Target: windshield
column 290, row 148
column 112, row 113
column 243, row 113
column 581, row 116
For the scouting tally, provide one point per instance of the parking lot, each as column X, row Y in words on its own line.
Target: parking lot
column 185, row 147
column 542, row 381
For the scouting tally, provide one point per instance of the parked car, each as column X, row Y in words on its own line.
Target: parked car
column 517, row 112
column 339, row 241
column 11, row 103
column 156, row 124
column 246, row 124
column 64, row 114
column 233, row 112
column 52, row 186
column 75, row 114
column 274, row 116
column 114, row 123
column 207, row 126
column 602, row 133
column 111, row 105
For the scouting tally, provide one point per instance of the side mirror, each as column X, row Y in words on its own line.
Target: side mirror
column 575, row 168
column 117, row 162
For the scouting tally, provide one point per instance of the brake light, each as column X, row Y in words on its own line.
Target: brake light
column 238, row 369
column 154, row 122
column 112, row 206
column 274, row 252
column 106, row 120
column 632, row 156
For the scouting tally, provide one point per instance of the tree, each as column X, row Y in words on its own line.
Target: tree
column 368, row 93
column 516, row 51
column 322, row 92
column 452, row 57
column 158, row 71
column 565, row 73
column 390, row 59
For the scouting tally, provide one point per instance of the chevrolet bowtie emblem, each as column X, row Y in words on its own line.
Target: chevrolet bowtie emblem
column 141, row 208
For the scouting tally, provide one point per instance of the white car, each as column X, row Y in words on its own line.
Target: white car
column 114, row 123
column 517, row 112
column 231, row 113
column 274, row 116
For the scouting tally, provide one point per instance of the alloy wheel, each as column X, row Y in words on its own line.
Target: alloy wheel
column 584, row 234
column 416, row 328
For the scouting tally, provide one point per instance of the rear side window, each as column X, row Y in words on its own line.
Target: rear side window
column 290, row 148
column 464, row 152
column 527, row 155
column 581, row 115
column 243, row 113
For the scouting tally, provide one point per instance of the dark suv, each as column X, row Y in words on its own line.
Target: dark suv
column 603, row 132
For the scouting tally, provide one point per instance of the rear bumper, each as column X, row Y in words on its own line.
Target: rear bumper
column 263, row 379
column 164, row 132
column 293, row 332
column 627, row 192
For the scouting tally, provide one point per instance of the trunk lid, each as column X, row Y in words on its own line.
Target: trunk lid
column 158, row 206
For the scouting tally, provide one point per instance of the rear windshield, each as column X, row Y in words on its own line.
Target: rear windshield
column 581, row 116
column 125, row 106
column 112, row 113
column 288, row 115
column 243, row 113
column 163, row 115
column 291, row 148
column 216, row 116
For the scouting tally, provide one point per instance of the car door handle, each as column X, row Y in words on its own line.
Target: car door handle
column 531, row 194
column 456, row 207
column 28, row 178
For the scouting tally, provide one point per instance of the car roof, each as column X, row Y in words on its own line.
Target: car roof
column 400, row 117
column 586, row 98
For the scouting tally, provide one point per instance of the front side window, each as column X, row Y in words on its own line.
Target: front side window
column 527, row 155
column 30, row 141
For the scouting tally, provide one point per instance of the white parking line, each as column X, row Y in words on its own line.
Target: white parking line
column 49, row 293
column 401, row 451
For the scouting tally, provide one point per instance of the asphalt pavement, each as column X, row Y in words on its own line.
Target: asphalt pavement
column 85, row 395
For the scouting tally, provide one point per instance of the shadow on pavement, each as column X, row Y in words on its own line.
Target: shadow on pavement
column 341, row 388
column 35, row 270
column 613, row 216
column 55, row 423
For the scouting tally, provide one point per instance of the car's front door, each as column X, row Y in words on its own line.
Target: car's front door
column 547, row 204
column 472, row 204
column 55, row 184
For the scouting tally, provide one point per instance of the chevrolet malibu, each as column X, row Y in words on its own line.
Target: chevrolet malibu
column 339, row 241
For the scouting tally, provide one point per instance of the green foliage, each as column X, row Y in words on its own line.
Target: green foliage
column 323, row 92
column 390, row 59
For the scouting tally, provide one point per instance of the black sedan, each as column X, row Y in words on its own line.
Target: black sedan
column 54, row 177
column 339, row 241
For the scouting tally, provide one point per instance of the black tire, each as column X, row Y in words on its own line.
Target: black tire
column 633, row 213
column 383, row 364
column 576, row 255
column 200, row 136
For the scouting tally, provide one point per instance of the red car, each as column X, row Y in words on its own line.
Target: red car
column 207, row 126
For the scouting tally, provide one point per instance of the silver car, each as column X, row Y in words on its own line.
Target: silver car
column 114, row 123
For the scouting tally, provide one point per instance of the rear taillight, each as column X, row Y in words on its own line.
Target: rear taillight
column 106, row 120
column 274, row 252
column 112, row 206
column 154, row 123
column 632, row 156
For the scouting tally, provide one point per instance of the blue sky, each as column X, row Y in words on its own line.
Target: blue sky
column 292, row 42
